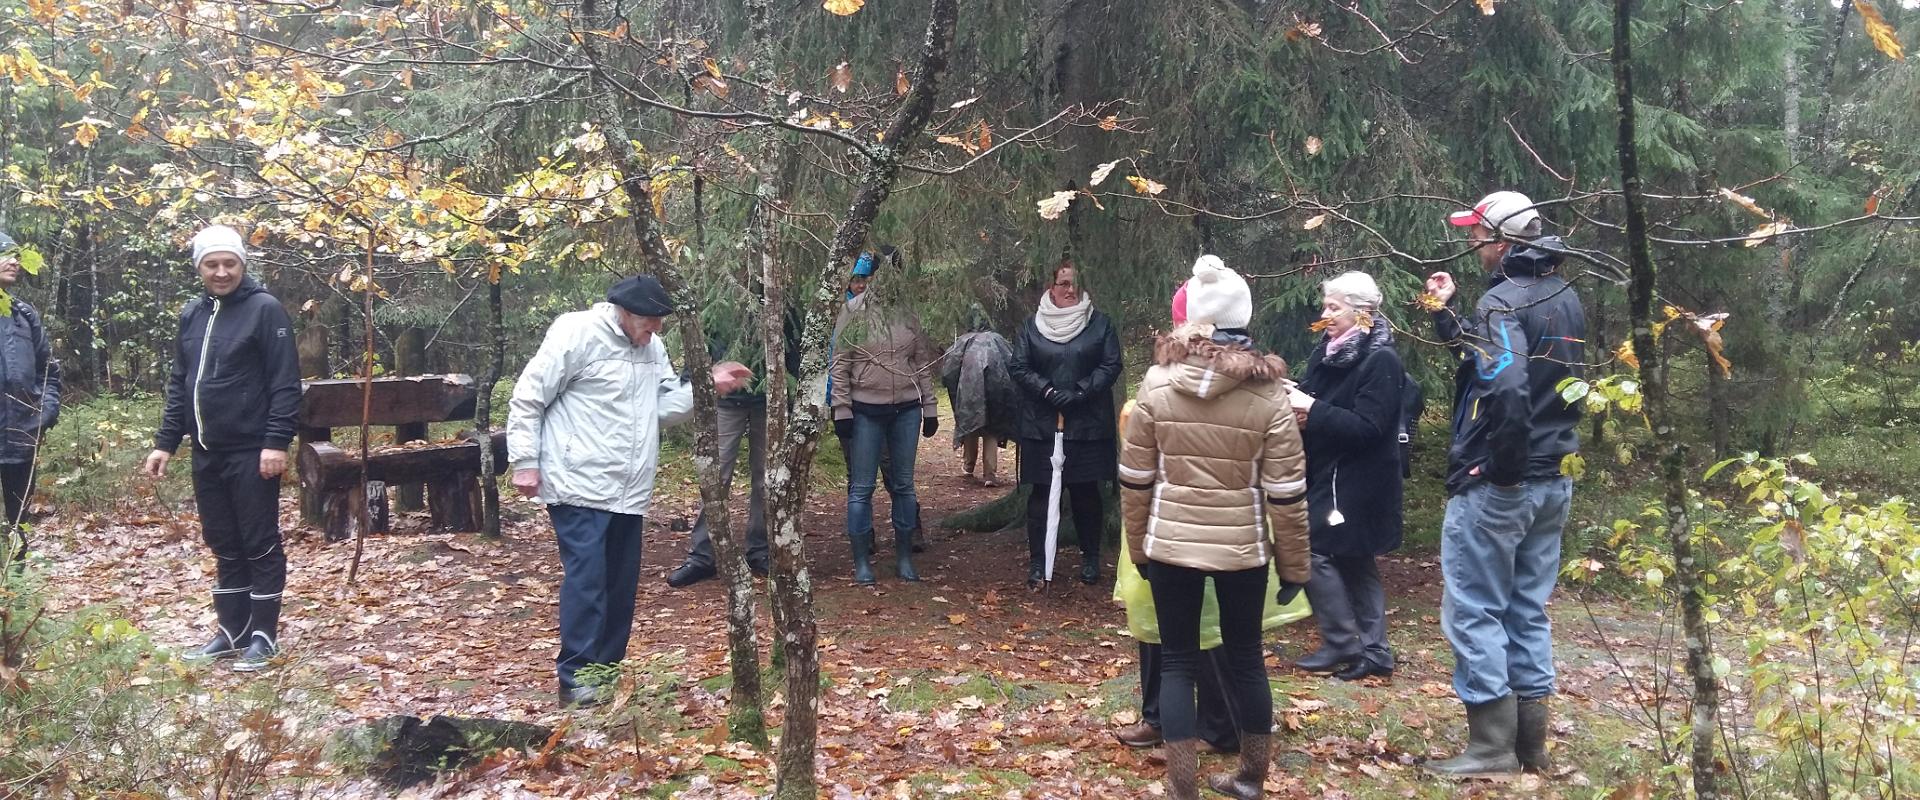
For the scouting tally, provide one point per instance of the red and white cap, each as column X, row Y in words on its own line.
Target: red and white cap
column 1511, row 213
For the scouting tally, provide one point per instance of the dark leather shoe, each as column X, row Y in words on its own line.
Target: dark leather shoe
column 689, row 574
column 758, row 566
column 1139, row 735
column 1363, row 669
column 1323, row 660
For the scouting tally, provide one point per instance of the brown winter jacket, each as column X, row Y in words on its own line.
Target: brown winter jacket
column 882, row 359
column 1211, row 469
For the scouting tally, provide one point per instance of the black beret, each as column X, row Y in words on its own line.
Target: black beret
column 643, row 295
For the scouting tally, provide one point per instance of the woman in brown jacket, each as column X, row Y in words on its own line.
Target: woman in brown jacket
column 1213, row 482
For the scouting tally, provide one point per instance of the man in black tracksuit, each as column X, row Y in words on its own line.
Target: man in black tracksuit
column 235, row 388
column 1507, row 499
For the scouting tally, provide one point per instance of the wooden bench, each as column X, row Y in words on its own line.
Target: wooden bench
column 407, row 404
column 450, row 470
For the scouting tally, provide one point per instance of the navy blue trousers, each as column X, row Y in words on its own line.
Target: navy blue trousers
column 600, row 552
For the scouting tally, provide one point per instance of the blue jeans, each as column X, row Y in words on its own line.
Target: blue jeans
column 600, row 555
column 1500, row 554
column 898, row 435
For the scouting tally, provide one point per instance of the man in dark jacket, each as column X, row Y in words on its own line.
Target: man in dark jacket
column 235, row 388
column 1507, row 505
column 29, row 398
column 741, row 415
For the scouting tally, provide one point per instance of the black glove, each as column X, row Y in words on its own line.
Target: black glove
column 929, row 427
column 1061, row 398
column 1288, row 591
column 843, row 428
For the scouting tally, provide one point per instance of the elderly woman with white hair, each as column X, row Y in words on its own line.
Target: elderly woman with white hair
column 1352, row 414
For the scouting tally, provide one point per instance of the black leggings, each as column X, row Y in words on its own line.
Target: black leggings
column 1089, row 519
column 1177, row 594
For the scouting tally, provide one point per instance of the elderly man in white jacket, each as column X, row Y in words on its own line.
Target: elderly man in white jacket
column 583, row 433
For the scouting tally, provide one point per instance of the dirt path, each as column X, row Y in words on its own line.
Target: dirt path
column 965, row 685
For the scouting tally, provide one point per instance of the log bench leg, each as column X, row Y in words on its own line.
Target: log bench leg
column 410, row 496
column 453, row 501
column 340, row 510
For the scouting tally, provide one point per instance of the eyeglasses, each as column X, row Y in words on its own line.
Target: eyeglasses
column 1063, row 284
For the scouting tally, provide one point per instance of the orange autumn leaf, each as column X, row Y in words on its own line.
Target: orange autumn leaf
column 1879, row 30
column 1145, row 185
column 1625, row 354
column 843, row 7
column 1319, row 325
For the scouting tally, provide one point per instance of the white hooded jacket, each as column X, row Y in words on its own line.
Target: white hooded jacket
column 588, row 411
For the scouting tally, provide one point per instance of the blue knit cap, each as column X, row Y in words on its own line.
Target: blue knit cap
column 863, row 267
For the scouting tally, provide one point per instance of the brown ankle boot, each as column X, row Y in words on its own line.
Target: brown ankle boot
column 1183, row 767
column 1249, row 782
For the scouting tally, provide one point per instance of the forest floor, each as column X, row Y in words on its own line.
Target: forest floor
column 964, row 685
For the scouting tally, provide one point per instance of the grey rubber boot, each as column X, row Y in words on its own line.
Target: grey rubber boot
column 862, row 558
column 1249, row 782
column 1183, row 768
column 1491, row 731
column 1530, row 744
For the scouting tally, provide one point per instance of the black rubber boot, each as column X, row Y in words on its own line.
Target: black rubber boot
column 1090, row 567
column 903, row 558
column 862, row 558
column 262, row 643
column 231, row 610
column 1036, row 575
column 1530, row 744
column 1491, row 732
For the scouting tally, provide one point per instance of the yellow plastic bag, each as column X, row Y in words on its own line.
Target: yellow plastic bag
column 1131, row 590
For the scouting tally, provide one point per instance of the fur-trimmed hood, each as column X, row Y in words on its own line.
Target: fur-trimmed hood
column 1205, row 363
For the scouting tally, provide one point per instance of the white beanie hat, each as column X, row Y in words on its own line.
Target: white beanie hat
column 1218, row 296
column 218, row 239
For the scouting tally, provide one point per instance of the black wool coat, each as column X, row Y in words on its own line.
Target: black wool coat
column 1352, row 440
column 1083, row 368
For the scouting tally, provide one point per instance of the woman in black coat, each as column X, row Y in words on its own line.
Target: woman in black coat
column 1350, row 405
column 1065, row 361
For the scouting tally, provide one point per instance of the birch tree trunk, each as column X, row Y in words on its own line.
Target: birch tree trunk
column 1688, row 566
column 795, row 438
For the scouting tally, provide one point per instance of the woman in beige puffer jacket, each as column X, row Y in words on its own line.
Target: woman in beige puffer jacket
column 1213, row 481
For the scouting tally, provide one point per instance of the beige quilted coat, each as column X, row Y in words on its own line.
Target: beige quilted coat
column 1211, row 468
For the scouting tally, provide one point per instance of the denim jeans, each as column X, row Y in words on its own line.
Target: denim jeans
column 897, row 435
column 1500, row 555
